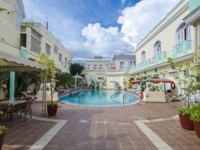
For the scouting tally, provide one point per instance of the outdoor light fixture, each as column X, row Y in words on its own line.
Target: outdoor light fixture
column 145, row 72
column 155, row 70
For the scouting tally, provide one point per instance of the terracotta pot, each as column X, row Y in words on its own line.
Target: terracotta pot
column 186, row 123
column 52, row 110
column 197, row 128
column 1, row 140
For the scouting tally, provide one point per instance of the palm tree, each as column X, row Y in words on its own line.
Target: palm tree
column 22, row 80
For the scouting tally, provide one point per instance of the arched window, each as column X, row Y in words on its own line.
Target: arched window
column 183, row 33
column 157, row 48
column 143, row 56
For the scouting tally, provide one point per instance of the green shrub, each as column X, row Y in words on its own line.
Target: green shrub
column 195, row 115
column 52, row 104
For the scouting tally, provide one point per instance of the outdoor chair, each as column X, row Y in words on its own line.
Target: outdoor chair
column 7, row 110
column 26, row 108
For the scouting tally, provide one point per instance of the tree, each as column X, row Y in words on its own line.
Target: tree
column 65, row 78
column 76, row 68
column 48, row 72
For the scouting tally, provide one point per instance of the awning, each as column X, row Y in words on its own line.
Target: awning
column 135, row 81
column 163, row 80
column 16, row 63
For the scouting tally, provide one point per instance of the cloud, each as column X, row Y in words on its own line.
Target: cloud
column 100, row 42
column 91, row 39
column 140, row 19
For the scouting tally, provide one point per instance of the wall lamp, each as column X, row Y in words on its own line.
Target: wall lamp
column 155, row 70
column 12, row 12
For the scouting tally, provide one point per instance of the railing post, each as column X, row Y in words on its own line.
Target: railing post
column 123, row 99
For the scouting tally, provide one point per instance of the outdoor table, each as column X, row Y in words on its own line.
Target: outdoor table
column 12, row 103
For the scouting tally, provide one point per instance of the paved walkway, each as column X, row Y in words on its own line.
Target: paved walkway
column 143, row 126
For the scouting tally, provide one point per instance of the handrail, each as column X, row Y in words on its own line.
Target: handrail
column 80, row 95
column 119, row 93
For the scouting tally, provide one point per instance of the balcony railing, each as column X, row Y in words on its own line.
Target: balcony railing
column 118, row 69
column 180, row 48
column 153, row 60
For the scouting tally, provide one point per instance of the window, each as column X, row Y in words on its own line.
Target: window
column 66, row 61
column 55, row 49
column 94, row 66
column 183, row 33
column 121, row 64
column 48, row 49
column 130, row 63
column 157, row 48
column 143, row 56
column 23, row 29
column 23, row 40
column 60, row 57
column 173, row 74
column 100, row 66
column 35, row 41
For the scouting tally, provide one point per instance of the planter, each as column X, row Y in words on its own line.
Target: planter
column 197, row 128
column 52, row 110
column 186, row 123
column 1, row 139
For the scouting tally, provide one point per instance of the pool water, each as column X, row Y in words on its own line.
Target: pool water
column 100, row 98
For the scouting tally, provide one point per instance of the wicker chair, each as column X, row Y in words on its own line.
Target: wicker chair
column 26, row 108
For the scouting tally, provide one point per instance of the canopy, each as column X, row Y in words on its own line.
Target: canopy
column 16, row 63
column 163, row 80
column 77, row 77
column 135, row 81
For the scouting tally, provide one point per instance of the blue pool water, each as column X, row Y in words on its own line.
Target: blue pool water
column 100, row 98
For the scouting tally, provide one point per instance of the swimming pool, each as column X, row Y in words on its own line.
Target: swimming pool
column 100, row 98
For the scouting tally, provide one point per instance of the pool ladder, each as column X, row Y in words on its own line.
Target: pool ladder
column 79, row 97
column 119, row 94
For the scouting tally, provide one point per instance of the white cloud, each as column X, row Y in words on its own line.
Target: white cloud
column 101, row 41
column 93, row 39
column 140, row 19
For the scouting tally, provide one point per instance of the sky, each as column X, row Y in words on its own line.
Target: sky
column 89, row 28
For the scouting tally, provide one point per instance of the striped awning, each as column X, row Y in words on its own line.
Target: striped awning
column 16, row 63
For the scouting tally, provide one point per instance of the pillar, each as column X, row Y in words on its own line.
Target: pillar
column 12, row 86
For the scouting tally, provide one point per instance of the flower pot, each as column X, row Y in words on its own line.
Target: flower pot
column 186, row 123
column 52, row 110
column 197, row 128
column 1, row 139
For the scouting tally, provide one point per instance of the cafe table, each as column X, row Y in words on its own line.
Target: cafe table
column 12, row 103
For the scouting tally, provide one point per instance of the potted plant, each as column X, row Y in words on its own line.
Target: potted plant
column 2, row 132
column 49, row 73
column 195, row 116
column 190, row 87
column 184, row 116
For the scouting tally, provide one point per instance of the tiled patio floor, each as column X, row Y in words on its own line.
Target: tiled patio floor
column 133, row 127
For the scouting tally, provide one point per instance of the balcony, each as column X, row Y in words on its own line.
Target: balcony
column 182, row 49
column 153, row 59
column 121, row 69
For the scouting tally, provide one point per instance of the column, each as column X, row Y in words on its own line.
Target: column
column 12, row 86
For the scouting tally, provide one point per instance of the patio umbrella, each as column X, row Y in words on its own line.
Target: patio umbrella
column 77, row 77
column 165, row 81
column 135, row 81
